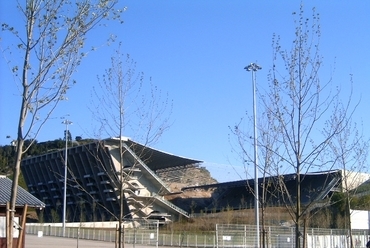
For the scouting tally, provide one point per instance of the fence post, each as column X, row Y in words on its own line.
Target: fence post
column 78, row 234
column 313, row 240
column 293, row 231
column 216, row 236
column 156, row 245
column 269, row 238
column 365, row 238
column 331, row 238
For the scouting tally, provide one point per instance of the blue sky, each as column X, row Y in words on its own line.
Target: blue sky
column 196, row 51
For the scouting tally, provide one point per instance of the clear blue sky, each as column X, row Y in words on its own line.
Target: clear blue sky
column 196, row 51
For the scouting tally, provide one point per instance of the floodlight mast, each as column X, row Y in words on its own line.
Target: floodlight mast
column 66, row 122
column 254, row 68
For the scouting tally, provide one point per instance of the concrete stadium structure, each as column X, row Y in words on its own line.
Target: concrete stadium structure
column 316, row 189
column 93, row 188
column 93, row 182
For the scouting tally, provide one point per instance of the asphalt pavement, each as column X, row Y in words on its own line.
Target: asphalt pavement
column 33, row 241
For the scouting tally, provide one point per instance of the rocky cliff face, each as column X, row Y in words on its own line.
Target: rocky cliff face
column 193, row 175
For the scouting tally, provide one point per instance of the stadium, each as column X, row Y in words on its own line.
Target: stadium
column 94, row 181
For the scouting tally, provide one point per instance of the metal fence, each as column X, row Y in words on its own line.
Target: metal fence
column 284, row 237
column 138, row 233
column 225, row 236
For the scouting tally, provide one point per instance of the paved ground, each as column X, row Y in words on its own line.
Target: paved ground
column 33, row 241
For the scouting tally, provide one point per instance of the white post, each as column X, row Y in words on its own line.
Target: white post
column 254, row 67
column 66, row 122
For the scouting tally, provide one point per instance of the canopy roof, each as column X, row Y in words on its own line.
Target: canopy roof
column 156, row 159
column 23, row 197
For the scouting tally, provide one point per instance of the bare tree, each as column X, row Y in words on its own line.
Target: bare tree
column 125, row 104
column 298, row 105
column 51, row 47
column 301, row 105
column 267, row 166
column 349, row 149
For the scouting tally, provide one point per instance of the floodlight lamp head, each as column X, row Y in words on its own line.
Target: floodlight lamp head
column 67, row 122
column 253, row 67
column 248, row 67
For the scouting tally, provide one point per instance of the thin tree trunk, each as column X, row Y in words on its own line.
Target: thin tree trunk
column 348, row 204
column 13, row 195
column 304, row 243
column 121, row 212
column 298, row 210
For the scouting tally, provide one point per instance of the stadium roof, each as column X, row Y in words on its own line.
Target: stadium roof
column 23, row 197
column 157, row 159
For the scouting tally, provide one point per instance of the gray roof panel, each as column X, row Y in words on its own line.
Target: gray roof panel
column 23, row 197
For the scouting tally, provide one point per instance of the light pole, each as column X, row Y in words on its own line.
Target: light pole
column 253, row 68
column 66, row 136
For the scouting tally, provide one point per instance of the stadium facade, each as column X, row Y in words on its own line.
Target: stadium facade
column 94, row 176
column 93, row 182
column 316, row 191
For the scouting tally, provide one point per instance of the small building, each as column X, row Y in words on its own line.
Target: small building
column 24, row 200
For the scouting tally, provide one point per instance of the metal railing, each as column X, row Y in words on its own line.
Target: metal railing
column 225, row 236
column 170, row 204
column 147, row 169
column 284, row 237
